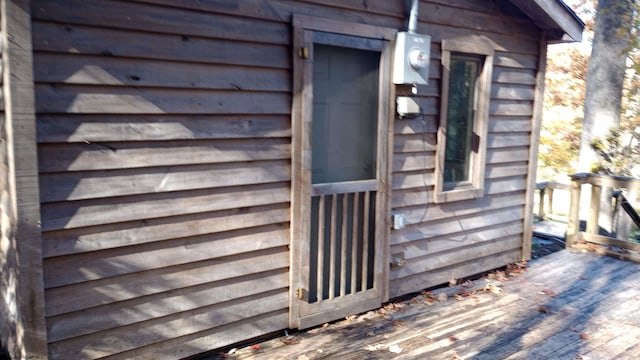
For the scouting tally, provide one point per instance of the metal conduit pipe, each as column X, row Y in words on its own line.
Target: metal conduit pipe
column 413, row 17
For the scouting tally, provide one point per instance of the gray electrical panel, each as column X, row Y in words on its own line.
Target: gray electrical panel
column 411, row 59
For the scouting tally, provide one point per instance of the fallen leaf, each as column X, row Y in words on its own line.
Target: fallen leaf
column 303, row 357
column 397, row 323
column 453, row 282
column 453, row 338
column 395, row 349
column 351, row 317
column 494, row 289
column 467, row 284
column 544, row 309
column 442, row 297
column 255, row 347
column 550, row 293
column 585, row 336
column 232, row 351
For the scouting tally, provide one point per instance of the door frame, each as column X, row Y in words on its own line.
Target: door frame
column 302, row 115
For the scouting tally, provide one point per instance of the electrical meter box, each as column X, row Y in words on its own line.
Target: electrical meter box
column 411, row 59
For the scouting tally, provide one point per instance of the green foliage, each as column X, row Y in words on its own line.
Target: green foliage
column 618, row 152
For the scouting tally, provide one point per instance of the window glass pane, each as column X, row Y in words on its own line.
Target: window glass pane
column 463, row 75
column 345, row 114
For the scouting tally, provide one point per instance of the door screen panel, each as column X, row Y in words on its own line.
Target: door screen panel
column 345, row 107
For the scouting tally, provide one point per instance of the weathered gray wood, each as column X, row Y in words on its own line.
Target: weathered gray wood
column 172, row 348
column 101, row 128
column 86, row 295
column 110, row 316
column 146, row 333
column 502, row 124
column 511, row 140
column 593, row 225
column 67, row 215
column 146, row 231
column 160, row 19
column 469, row 233
column 412, row 179
column 413, row 161
column 89, row 100
column 92, row 70
column 23, row 291
column 99, row 184
column 52, row 37
column 536, row 120
column 112, row 156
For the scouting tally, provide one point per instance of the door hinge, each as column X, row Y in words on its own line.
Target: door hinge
column 301, row 294
column 304, row 52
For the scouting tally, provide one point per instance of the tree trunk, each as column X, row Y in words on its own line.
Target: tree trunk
column 605, row 79
column 605, row 76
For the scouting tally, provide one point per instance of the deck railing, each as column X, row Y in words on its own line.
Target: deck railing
column 545, row 192
column 592, row 238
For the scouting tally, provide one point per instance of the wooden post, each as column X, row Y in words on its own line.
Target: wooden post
column 594, row 209
column 550, row 200
column 573, row 226
column 541, row 214
column 536, row 121
column 28, row 338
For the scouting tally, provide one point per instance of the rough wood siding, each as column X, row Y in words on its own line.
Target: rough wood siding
column 457, row 239
column 164, row 145
column 22, row 305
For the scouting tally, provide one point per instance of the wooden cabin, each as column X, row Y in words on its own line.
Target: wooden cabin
column 179, row 176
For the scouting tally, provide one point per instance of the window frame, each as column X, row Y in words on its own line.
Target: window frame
column 474, row 46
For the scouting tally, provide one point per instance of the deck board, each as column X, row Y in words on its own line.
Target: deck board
column 593, row 304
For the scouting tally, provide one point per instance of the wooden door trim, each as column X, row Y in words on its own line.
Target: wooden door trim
column 303, row 28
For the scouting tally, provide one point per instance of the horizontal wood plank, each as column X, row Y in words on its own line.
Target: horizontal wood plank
column 77, row 39
column 413, row 161
column 500, row 140
column 420, row 214
column 160, row 19
column 507, row 155
column 214, row 338
column 459, row 255
column 119, row 314
column 506, row 170
column 75, row 214
column 412, row 179
column 65, row 242
column 99, row 184
column 156, row 255
column 113, row 156
column 441, row 276
column 414, row 143
column 140, row 334
column 92, row 100
column 446, row 227
column 81, row 296
column 112, row 71
column 97, row 128
column 509, row 124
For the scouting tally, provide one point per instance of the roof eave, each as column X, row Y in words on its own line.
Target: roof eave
column 554, row 17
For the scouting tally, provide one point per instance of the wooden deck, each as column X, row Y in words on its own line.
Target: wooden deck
column 568, row 305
